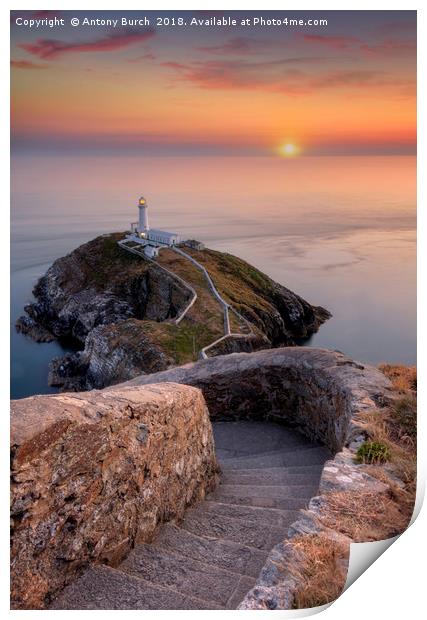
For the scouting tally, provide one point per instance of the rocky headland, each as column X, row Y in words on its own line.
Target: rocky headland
column 120, row 312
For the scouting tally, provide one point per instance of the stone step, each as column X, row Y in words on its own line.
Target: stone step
column 290, row 469
column 231, row 556
column 251, row 514
column 248, row 533
column 225, row 455
column 307, row 456
column 232, row 455
column 282, row 503
column 282, row 451
column 251, row 437
column 276, row 491
column 183, row 574
column 102, row 587
column 279, row 476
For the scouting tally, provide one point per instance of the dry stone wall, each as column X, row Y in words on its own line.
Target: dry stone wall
column 316, row 390
column 95, row 472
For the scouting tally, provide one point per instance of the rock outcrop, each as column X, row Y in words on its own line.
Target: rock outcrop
column 112, row 353
column 119, row 310
column 100, row 284
column 316, row 390
column 94, row 473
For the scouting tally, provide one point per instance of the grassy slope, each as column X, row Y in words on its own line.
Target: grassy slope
column 239, row 283
column 100, row 263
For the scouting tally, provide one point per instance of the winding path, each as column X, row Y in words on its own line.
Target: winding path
column 225, row 305
column 226, row 308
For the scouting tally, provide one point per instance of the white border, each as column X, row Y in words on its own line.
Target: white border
column 394, row 586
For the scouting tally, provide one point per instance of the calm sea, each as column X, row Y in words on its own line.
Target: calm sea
column 338, row 231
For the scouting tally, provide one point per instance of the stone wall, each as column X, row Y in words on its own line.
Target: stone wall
column 93, row 473
column 316, row 390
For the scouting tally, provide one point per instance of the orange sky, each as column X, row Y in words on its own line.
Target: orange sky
column 348, row 87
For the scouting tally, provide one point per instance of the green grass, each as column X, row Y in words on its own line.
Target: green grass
column 182, row 342
column 102, row 261
column 373, row 452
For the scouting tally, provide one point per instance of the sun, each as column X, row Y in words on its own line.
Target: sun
column 289, row 149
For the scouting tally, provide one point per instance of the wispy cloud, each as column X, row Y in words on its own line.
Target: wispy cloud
column 26, row 64
column 141, row 57
column 228, row 74
column 282, row 77
column 388, row 46
column 334, row 42
column 48, row 49
column 391, row 47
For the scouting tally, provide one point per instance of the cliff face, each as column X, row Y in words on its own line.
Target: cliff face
column 99, row 284
column 94, row 473
column 120, row 310
column 112, row 353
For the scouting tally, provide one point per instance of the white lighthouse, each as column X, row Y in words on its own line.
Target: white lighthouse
column 151, row 238
column 143, row 226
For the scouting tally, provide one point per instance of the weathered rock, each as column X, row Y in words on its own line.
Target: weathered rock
column 27, row 325
column 278, row 597
column 316, row 390
column 276, row 583
column 94, row 473
column 112, row 354
column 339, row 476
column 100, row 284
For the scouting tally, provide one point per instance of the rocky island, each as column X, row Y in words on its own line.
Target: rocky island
column 125, row 314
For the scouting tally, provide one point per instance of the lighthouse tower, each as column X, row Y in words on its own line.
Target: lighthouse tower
column 143, row 226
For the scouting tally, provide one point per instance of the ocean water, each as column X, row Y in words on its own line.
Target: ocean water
column 340, row 231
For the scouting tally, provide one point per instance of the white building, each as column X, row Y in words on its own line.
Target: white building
column 163, row 237
column 194, row 244
column 151, row 251
column 151, row 238
column 142, row 230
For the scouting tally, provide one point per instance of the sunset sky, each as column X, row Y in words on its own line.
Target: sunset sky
column 345, row 88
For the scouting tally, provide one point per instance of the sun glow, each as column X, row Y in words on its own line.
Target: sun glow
column 289, row 150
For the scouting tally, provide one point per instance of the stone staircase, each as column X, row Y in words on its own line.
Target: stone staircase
column 212, row 558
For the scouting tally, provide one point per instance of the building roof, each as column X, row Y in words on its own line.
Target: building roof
column 165, row 233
